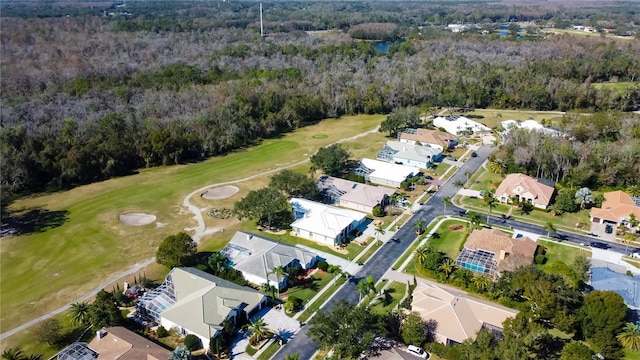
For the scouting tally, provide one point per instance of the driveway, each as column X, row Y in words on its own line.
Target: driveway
column 469, row 193
column 276, row 320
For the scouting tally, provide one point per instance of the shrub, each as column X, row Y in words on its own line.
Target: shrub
column 323, row 265
column 540, row 259
column 293, row 304
column 161, row 332
column 378, row 211
column 192, row 342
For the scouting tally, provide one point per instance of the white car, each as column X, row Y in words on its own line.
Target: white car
column 636, row 254
column 414, row 350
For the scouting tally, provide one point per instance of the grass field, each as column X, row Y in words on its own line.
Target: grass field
column 562, row 253
column 493, row 117
column 616, row 86
column 43, row 271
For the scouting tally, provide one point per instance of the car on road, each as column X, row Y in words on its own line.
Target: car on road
column 599, row 245
column 414, row 350
column 592, row 234
column 474, row 154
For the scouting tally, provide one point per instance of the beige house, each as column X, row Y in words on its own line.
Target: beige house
column 459, row 316
column 616, row 209
column 491, row 251
column 115, row 343
column 432, row 138
column 353, row 195
column 526, row 188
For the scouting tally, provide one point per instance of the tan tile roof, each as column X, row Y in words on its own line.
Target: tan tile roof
column 616, row 207
column 459, row 316
column 430, row 136
column 123, row 344
column 510, row 253
column 542, row 192
column 358, row 193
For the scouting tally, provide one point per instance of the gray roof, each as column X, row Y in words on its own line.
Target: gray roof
column 77, row 351
column 352, row 191
column 413, row 152
column 204, row 301
column 628, row 287
column 258, row 256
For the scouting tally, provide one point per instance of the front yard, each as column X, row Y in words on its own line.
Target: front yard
column 383, row 304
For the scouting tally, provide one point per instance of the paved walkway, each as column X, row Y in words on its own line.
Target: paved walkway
column 469, row 193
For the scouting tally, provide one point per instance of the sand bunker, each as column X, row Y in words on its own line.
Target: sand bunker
column 220, row 193
column 137, row 219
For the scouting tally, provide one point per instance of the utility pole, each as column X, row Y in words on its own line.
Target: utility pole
column 261, row 27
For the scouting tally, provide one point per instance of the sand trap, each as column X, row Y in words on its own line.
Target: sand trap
column 220, row 193
column 137, row 219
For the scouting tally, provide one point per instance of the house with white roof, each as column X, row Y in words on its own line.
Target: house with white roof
column 409, row 154
column 530, row 125
column 459, row 125
column 353, row 195
column 256, row 257
column 325, row 224
column 384, row 173
column 195, row 302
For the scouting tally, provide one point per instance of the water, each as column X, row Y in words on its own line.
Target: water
column 383, row 46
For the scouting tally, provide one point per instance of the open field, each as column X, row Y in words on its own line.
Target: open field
column 493, row 117
column 563, row 253
column 617, row 86
column 580, row 33
column 45, row 270
column 449, row 242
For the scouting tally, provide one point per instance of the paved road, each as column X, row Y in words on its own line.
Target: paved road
column 388, row 254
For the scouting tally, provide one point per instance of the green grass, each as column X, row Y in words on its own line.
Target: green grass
column 42, row 271
column 366, row 146
column 616, row 86
column 309, row 310
column 370, row 252
column 450, row 242
column 251, row 350
column 631, row 355
column 493, row 117
column 556, row 252
column 269, row 351
column 305, row 293
column 396, row 292
column 320, row 136
column 485, row 180
column 414, row 245
column 440, row 169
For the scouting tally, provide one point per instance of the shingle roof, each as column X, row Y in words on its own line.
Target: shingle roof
column 325, row 219
column 628, row 287
column 413, row 152
column 430, row 137
column 358, row 193
column 542, row 192
column 510, row 253
column 123, row 344
column 616, row 207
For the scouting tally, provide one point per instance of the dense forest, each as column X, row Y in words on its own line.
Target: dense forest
column 92, row 96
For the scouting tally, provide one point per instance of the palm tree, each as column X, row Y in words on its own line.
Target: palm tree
column 269, row 289
column 379, row 231
column 421, row 253
column 293, row 356
column 583, row 197
column 550, row 227
column 467, row 174
column 419, row 227
column 628, row 238
column 458, row 183
column 475, row 219
column 13, row 354
column 446, row 201
column 490, row 200
column 481, row 281
column 279, row 272
column 218, row 262
column 259, row 329
column 364, row 287
column 80, row 313
column 630, row 337
column 496, row 166
column 448, row 266
column 633, row 190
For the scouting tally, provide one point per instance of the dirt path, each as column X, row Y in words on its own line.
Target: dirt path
column 200, row 231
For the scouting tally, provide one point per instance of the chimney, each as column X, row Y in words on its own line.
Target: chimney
column 100, row 334
column 249, row 236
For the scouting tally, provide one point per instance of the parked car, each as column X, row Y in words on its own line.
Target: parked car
column 636, row 254
column 414, row 350
column 474, row 154
column 451, row 158
column 599, row 245
column 592, row 234
column 608, row 229
column 428, row 177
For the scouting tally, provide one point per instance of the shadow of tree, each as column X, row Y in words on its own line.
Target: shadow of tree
column 31, row 221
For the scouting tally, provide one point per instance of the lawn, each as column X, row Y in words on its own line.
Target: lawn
column 363, row 259
column 440, row 168
column 44, row 270
column 367, row 146
column 309, row 310
column 449, row 241
column 270, row 350
column 311, row 289
column 616, row 86
column 385, row 303
column 484, row 180
column 631, row 355
column 557, row 252
column 493, row 117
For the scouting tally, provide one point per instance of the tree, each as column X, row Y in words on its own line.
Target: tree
column 280, row 273
column 581, row 267
column 180, row 353
column 576, row 350
column 550, row 227
column 489, row 199
column 79, row 313
column 294, row 184
column 365, row 287
column 264, row 205
column 419, row 226
column 332, row 160
column 49, row 331
column 399, row 119
column 379, row 231
column 13, row 354
column 565, row 202
column 447, row 267
column 413, row 330
column 475, row 220
column 602, row 313
column 446, row 201
column 293, row 356
column 630, row 337
column 268, row 289
column 176, row 250
column 346, row 329
column 458, row 183
column 218, row 262
column 103, row 311
column 259, row 329
column 421, row 253
column 526, row 207
column 192, row 342
column 583, row 197
column 481, row 282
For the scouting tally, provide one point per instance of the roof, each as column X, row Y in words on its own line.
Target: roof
column 527, row 184
column 627, row 286
column 203, row 301
column 429, row 136
column 459, row 316
column 384, row 170
column 123, row 344
column 530, row 125
column 323, row 219
column 617, row 206
column 510, row 253
column 412, row 152
column 457, row 124
column 358, row 193
column 258, row 256
column 77, row 351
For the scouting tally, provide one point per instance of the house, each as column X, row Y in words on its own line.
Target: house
column 490, row 252
column 408, row 154
column 616, row 209
column 353, row 195
column 115, row 343
column 325, row 224
column 529, row 125
column 459, row 316
column 195, row 302
column 605, row 279
column 433, row 138
column 459, row 125
column 526, row 189
column 256, row 257
column 384, row 173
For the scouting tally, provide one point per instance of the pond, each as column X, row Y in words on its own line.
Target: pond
column 383, row 46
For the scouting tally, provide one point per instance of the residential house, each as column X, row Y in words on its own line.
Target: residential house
column 384, row 173
column 459, row 125
column 195, row 302
column 603, row 278
column 408, row 154
column 325, row 224
column 433, row 138
column 115, row 343
column 256, row 257
column 491, row 251
column 353, row 195
column 459, row 316
column 616, row 209
column 526, row 189
column 530, row 125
